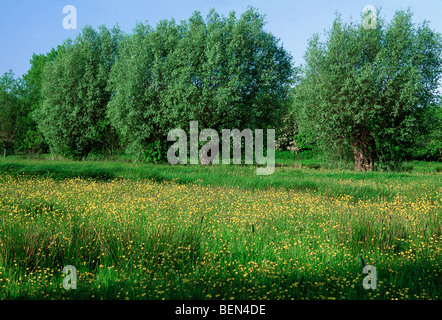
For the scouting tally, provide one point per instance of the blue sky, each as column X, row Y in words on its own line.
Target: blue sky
column 35, row 26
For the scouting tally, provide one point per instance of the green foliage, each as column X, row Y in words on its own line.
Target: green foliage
column 32, row 139
column 303, row 141
column 429, row 144
column 366, row 95
column 155, row 152
column 72, row 116
column 12, row 112
column 222, row 72
column 364, row 90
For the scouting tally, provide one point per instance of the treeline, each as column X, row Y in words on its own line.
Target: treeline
column 106, row 91
column 368, row 95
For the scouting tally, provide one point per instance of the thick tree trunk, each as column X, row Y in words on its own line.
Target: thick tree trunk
column 4, row 152
column 363, row 147
column 363, row 161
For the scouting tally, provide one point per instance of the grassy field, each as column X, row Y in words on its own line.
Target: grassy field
column 144, row 231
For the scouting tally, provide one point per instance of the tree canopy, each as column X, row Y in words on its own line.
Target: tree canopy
column 72, row 116
column 363, row 91
column 223, row 72
column 10, row 111
column 366, row 94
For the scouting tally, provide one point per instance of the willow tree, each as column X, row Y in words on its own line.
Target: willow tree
column 224, row 72
column 72, row 115
column 364, row 89
column 10, row 111
column 32, row 139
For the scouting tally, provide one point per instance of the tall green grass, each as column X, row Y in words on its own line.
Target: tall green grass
column 291, row 173
column 142, row 231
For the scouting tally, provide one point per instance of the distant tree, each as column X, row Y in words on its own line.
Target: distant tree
column 31, row 139
column 429, row 144
column 72, row 116
column 10, row 111
column 222, row 72
column 364, row 90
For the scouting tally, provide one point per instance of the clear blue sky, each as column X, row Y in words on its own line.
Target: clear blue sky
column 29, row 26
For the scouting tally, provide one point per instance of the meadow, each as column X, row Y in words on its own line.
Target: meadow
column 156, row 231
